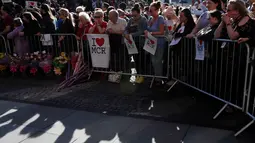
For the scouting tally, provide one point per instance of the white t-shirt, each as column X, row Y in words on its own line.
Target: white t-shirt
column 119, row 26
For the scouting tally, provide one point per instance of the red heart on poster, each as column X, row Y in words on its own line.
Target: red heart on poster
column 32, row 3
column 152, row 42
column 200, row 42
column 169, row 28
column 129, row 41
column 100, row 41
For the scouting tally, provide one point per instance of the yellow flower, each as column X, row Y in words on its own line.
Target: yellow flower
column 3, row 67
column 62, row 54
column 57, row 71
column 1, row 55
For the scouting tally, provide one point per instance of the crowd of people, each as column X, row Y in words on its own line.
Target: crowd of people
column 231, row 20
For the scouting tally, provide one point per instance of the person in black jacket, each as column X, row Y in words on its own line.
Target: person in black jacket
column 48, row 22
column 207, row 33
column 68, row 39
column 31, row 29
column 31, row 25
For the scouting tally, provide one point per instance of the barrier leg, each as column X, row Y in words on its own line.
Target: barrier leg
column 244, row 128
column 152, row 81
column 91, row 72
column 172, row 86
column 222, row 109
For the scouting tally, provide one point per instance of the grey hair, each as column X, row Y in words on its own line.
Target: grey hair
column 115, row 12
column 80, row 9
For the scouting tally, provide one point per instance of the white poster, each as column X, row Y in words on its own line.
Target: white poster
column 6, row 1
column 99, row 50
column 200, row 50
column 130, row 44
column 177, row 40
column 150, row 44
column 31, row 4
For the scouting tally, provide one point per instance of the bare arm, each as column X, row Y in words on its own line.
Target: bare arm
column 217, row 32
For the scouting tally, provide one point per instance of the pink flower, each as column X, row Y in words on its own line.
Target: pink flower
column 22, row 68
column 13, row 68
column 33, row 71
column 46, row 68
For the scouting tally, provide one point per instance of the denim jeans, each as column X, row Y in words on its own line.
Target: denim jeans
column 157, row 61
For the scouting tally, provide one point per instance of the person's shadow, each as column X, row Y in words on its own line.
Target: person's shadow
column 95, row 127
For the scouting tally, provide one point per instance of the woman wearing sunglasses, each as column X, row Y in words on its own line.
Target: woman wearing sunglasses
column 99, row 26
column 156, row 27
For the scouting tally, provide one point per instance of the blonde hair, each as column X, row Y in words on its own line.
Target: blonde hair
column 85, row 16
column 99, row 12
column 64, row 12
column 80, row 9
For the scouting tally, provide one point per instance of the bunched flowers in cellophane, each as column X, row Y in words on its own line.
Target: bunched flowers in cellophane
column 60, row 63
column 15, row 61
column 25, row 60
column 4, row 61
column 35, row 58
column 46, row 63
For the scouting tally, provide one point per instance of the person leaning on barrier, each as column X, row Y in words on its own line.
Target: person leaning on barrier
column 67, row 27
column 115, row 28
column 236, row 22
column 85, row 24
column 100, row 25
column 207, row 33
column 187, row 21
column 48, row 23
column 21, row 44
column 136, row 27
column 203, row 19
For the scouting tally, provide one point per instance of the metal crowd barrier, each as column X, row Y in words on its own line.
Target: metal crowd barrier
column 48, row 43
column 223, row 74
column 250, row 106
column 122, row 63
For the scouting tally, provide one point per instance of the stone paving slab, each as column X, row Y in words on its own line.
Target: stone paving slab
column 41, row 116
column 143, row 131
column 209, row 135
column 11, row 133
column 49, row 138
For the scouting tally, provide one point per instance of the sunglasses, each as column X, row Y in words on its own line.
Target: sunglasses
column 97, row 16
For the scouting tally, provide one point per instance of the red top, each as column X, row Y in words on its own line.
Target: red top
column 103, row 25
column 83, row 30
column 8, row 21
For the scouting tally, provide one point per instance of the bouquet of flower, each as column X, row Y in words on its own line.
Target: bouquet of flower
column 46, row 62
column 35, row 58
column 3, row 62
column 60, row 63
column 25, row 60
column 74, row 59
column 15, row 61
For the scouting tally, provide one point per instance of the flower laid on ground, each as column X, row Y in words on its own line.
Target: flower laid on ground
column 74, row 59
column 24, row 63
column 33, row 71
column 46, row 63
column 57, row 71
column 60, row 63
column 3, row 68
column 14, row 63
column 34, row 62
column 3, row 62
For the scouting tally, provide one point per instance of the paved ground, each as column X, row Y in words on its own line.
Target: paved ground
column 188, row 114
column 26, row 123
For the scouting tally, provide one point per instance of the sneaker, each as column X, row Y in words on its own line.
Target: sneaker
column 139, row 79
